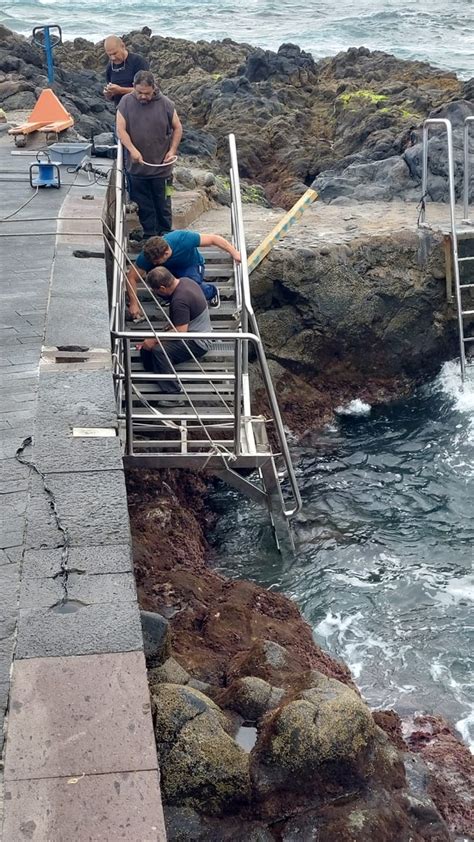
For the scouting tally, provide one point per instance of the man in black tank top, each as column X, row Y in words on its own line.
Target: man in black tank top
column 150, row 130
column 188, row 313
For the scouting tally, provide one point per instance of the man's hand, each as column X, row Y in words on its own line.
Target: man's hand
column 107, row 93
column 113, row 90
column 135, row 312
column 236, row 255
column 136, row 156
column 147, row 344
column 169, row 156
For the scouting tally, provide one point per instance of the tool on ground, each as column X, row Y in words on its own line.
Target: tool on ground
column 48, row 115
column 44, row 173
column 48, row 37
column 281, row 228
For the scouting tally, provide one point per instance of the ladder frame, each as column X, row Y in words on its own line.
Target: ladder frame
column 446, row 124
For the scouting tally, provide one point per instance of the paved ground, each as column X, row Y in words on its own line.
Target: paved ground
column 26, row 273
column 80, row 759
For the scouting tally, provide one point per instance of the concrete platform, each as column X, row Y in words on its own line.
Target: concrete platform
column 79, row 756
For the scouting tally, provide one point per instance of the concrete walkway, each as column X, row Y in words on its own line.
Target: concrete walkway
column 80, row 758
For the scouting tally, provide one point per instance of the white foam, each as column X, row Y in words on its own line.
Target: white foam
column 466, row 729
column 355, row 407
column 450, row 381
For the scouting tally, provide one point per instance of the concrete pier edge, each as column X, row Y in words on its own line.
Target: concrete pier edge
column 80, row 755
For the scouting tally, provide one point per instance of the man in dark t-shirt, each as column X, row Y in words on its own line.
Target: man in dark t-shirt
column 121, row 69
column 188, row 313
column 150, row 130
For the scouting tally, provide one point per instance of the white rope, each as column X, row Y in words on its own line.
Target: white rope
column 167, row 164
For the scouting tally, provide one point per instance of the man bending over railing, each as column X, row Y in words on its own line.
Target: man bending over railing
column 188, row 312
column 177, row 251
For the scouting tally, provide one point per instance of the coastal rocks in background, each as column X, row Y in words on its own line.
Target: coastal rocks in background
column 22, row 78
column 295, row 119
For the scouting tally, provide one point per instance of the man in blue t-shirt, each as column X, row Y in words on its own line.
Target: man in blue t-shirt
column 178, row 251
column 121, row 69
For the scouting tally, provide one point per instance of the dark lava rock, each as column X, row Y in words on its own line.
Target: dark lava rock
column 156, row 638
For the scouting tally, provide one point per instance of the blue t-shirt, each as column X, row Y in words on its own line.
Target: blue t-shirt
column 184, row 245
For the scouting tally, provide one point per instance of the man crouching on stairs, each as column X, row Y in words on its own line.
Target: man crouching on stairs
column 177, row 251
column 188, row 312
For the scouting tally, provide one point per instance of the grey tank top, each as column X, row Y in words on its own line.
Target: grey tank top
column 149, row 127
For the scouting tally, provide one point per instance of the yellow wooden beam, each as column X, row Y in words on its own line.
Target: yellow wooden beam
column 281, row 228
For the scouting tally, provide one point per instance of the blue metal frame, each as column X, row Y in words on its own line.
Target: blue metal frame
column 50, row 39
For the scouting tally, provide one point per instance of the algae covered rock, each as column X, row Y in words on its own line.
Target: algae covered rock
column 168, row 673
column 252, row 697
column 202, row 767
column 326, row 733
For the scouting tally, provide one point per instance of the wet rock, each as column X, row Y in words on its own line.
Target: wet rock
column 201, row 765
column 156, row 638
column 448, row 771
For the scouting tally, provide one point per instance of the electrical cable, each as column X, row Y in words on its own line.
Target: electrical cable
column 6, row 218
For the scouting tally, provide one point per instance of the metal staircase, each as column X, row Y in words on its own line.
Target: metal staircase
column 462, row 237
column 213, row 424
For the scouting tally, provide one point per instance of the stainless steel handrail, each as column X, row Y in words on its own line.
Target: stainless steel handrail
column 119, row 259
column 467, row 123
column 242, row 337
column 249, row 321
column 452, row 205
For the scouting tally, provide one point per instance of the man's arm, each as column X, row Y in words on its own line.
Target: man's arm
column 175, row 137
column 133, row 276
column 125, row 138
column 221, row 243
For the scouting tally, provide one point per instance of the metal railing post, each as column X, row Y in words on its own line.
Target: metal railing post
column 467, row 123
column 127, row 365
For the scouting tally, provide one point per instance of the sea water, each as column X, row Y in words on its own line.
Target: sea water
column 440, row 32
column 384, row 565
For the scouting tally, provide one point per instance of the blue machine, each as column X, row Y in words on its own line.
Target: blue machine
column 48, row 37
column 44, row 173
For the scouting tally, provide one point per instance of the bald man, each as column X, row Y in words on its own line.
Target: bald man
column 121, row 68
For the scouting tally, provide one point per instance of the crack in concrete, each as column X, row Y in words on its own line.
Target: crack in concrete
column 63, row 572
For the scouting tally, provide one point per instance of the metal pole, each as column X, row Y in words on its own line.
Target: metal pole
column 467, row 123
column 49, row 55
column 128, row 397
column 237, row 396
column 424, row 173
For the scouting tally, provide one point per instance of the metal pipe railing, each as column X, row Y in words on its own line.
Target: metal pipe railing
column 467, row 123
column 119, row 259
column 452, row 206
